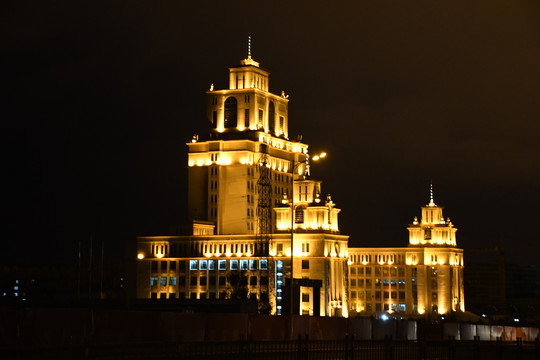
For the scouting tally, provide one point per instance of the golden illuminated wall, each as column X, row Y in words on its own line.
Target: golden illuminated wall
column 437, row 274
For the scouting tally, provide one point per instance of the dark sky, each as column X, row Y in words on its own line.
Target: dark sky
column 99, row 98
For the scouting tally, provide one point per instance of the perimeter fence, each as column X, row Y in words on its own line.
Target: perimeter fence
column 301, row 349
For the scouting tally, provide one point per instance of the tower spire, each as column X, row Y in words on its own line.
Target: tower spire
column 249, row 46
column 431, row 202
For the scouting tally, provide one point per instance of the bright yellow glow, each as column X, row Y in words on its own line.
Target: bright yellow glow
column 408, row 261
column 349, row 262
column 218, row 253
column 248, row 253
column 421, row 311
column 200, row 163
column 208, row 162
column 364, row 262
column 140, row 256
column 159, row 255
column 243, row 161
column 315, row 158
column 228, row 254
column 272, row 252
column 191, row 162
column 441, row 261
column 208, row 254
column 239, row 254
column 288, row 252
column 323, row 155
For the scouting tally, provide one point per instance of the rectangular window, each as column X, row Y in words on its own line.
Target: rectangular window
column 211, row 264
column 222, row 280
column 353, row 270
column 192, row 264
column 386, row 294
column 261, row 122
column 243, row 264
column 353, row 294
column 212, row 281
column 172, row 280
column 393, row 295
column 385, row 271
column 172, row 265
column 386, row 282
column 402, row 307
column 154, row 266
column 353, row 282
column 252, row 280
column 393, row 282
column 163, row 281
column 203, row 281
column 203, row 265
column 281, row 123
column 222, row 264
column 153, row 281
column 305, row 264
column 263, row 264
column 252, row 265
column 214, row 119
column 246, row 118
column 368, row 271
column 305, row 297
column 234, row 264
column 368, row 283
column 193, row 281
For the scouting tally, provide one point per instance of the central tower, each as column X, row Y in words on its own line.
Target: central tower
column 248, row 129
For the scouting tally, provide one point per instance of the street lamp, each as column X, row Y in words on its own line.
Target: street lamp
column 294, row 167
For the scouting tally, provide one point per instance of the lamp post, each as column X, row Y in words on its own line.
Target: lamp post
column 294, row 166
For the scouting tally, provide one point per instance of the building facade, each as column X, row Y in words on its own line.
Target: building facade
column 253, row 207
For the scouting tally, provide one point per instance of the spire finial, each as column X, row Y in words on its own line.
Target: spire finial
column 249, row 46
column 431, row 203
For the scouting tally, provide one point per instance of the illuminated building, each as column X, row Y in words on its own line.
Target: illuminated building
column 425, row 277
column 241, row 178
column 240, row 181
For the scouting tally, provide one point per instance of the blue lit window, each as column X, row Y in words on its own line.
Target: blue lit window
column 279, row 264
column 252, row 265
column 172, row 280
column 222, row 264
column 402, row 307
column 203, row 265
column 394, row 307
column 393, row 282
column 211, row 264
column 153, row 281
column 263, row 264
column 163, row 281
column 243, row 264
column 234, row 264
column 385, row 281
column 192, row 264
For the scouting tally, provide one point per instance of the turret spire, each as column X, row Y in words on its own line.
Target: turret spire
column 249, row 46
column 431, row 202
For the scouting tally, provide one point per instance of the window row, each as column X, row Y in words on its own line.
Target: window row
column 203, row 281
column 243, row 264
column 385, row 270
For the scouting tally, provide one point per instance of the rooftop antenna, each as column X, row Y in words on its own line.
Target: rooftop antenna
column 249, row 46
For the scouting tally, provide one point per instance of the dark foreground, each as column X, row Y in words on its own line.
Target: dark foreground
column 297, row 350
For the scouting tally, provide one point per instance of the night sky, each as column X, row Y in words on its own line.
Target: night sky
column 99, row 99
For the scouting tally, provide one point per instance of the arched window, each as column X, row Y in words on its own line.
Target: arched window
column 230, row 112
column 299, row 215
column 271, row 118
